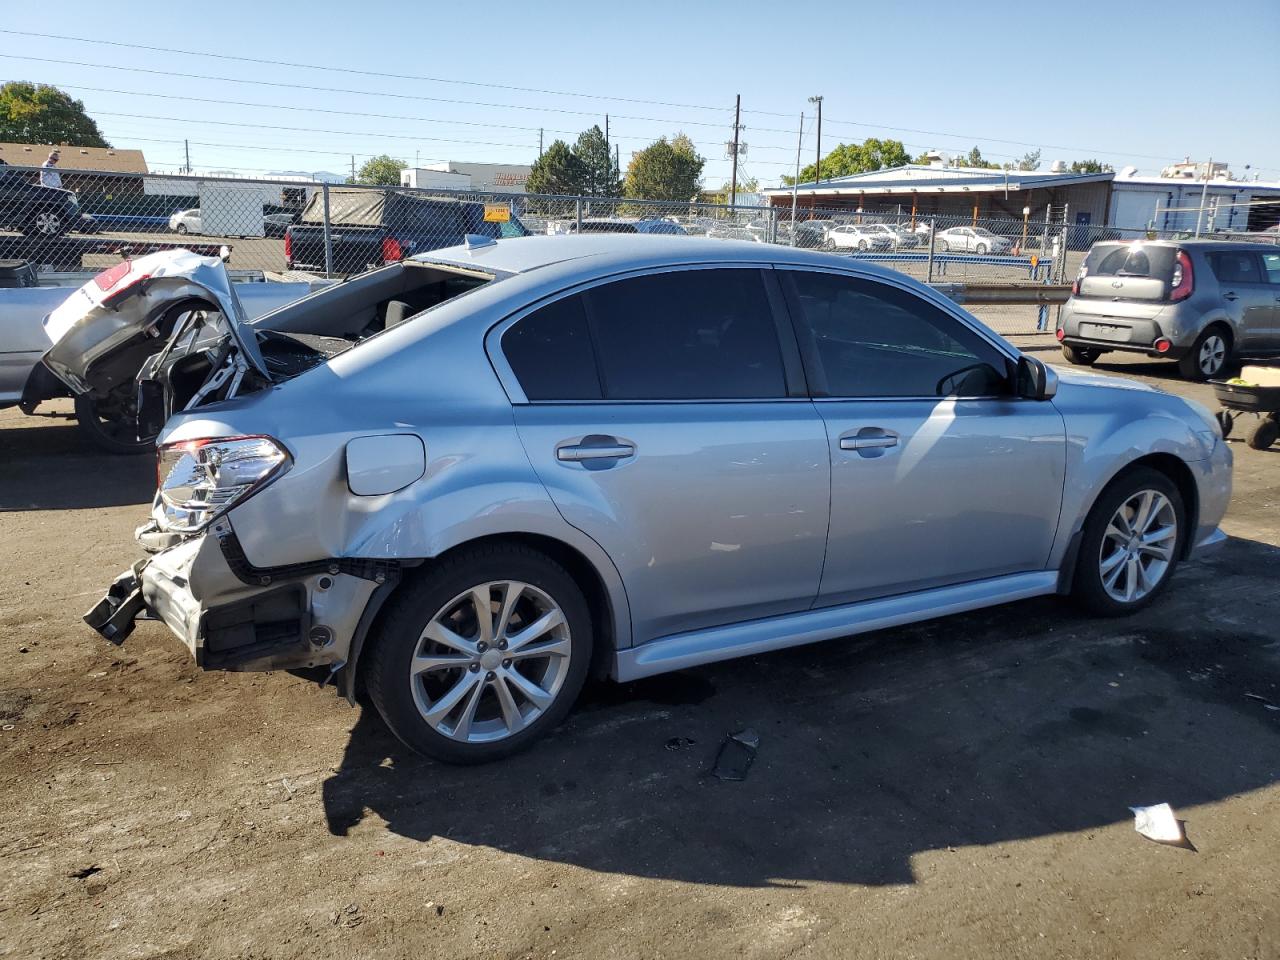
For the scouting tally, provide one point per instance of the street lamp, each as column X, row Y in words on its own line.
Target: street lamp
column 1026, row 213
column 817, row 175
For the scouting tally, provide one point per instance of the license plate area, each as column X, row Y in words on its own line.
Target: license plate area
column 1100, row 330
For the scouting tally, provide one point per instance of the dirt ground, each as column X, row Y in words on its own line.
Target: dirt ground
column 954, row 789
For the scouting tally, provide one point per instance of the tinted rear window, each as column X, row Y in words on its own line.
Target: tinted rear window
column 687, row 335
column 550, row 353
column 1132, row 260
column 1236, row 266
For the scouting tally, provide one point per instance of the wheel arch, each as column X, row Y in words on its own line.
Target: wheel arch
column 609, row 624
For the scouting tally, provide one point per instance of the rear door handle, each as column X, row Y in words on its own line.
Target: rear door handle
column 1230, row 296
column 867, row 443
column 595, row 448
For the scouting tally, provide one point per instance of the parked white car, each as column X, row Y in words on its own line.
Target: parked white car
column 972, row 240
column 899, row 237
column 186, row 221
column 852, row 236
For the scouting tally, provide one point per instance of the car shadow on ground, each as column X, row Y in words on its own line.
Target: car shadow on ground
column 1016, row 722
column 52, row 467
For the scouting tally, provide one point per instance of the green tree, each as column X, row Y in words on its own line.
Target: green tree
column 745, row 187
column 381, row 170
column 600, row 177
column 1030, row 161
column 975, row 159
column 850, row 158
column 665, row 170
column 1091, row 166
column 39, row 113
column 557, row 171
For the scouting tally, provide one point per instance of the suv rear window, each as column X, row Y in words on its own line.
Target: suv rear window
column 1132, row 260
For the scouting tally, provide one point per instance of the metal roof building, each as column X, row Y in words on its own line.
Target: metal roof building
column 952, row 192
column 1180, row 203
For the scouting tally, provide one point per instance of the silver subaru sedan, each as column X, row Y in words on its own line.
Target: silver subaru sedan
column 474, row 478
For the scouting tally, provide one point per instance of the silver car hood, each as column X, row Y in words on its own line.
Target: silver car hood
column 120, row 304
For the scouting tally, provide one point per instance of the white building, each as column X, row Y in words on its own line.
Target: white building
column 1177, row 203
column 475, row 177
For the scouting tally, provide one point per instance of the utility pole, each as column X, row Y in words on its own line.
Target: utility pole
column 353, row 168
column 607, row 146
column 186, row 146
column 795, row 186
column 539, row 142
column 817, row 175
column 1204, row 194
column 617, row 168
column 733, row 188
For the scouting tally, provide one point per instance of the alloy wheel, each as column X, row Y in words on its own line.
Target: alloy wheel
column 1137, row 546
column 1213, row 354
column 48, row 224
column 490, row 661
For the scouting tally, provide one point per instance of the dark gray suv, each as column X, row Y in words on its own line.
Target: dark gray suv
column 1203, row 303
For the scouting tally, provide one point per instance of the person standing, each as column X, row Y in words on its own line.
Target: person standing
column 49, row 175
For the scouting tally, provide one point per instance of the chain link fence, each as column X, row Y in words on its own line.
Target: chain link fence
column 88, row 220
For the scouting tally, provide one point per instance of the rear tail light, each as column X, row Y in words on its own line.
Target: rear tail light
column 288, row 245
column 119, row 282
column 1184, row 278
column 199, row 480
column 391, row 250
column 1075, row 287
column 1163, row 344
column 1060, row 333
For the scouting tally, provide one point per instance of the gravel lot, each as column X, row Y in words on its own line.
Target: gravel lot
column 954, row 789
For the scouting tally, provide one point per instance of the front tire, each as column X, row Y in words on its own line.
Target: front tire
column 980, row 249
column 1130, row 544
column 181, row 229
column 1209, row 356
column 483, row 655
column 1080, row 357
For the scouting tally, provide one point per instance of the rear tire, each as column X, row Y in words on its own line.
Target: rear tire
column 1209, row 357
column 111, row 424
column 434, row 617
column 980, row 249
column 182, row 229
column 1124, row 551
column 1080, row 357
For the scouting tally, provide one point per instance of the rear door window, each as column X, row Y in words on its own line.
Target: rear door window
column 1236, row 266
column 687, row 335
column 550, row 353
column 1271, row 266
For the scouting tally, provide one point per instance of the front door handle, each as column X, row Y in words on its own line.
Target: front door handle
column 1230, row 296
column 595, row 448
column 869, row 441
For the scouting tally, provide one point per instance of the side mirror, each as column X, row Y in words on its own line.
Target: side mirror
column 1036, row 379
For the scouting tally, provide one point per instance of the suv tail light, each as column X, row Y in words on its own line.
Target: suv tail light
column 1080, row 275
column 391, row 250
column 288, row 245
column 1184, row 278
column 199, row 480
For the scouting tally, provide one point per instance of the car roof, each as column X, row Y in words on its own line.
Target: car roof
column 1192, row 244
column 601, row 253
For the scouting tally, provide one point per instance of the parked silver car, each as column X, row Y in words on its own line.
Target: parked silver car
column 633, row 455
column 977, row 240
column 1202, row 303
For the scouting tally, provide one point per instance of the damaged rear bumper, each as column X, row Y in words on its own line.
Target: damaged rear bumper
column 232, row 616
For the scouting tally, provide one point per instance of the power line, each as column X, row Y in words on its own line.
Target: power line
column 366, row 73
column 362, row 93
column 360, row 113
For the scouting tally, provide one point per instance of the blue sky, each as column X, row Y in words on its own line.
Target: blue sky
column 1141, row 83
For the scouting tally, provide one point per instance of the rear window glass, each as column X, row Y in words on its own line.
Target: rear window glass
column 687, row 335
column 551, row 355
column 1132, row 260
column 1235, row 266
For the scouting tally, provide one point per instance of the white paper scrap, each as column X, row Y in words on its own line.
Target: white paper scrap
column 1158, row 823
